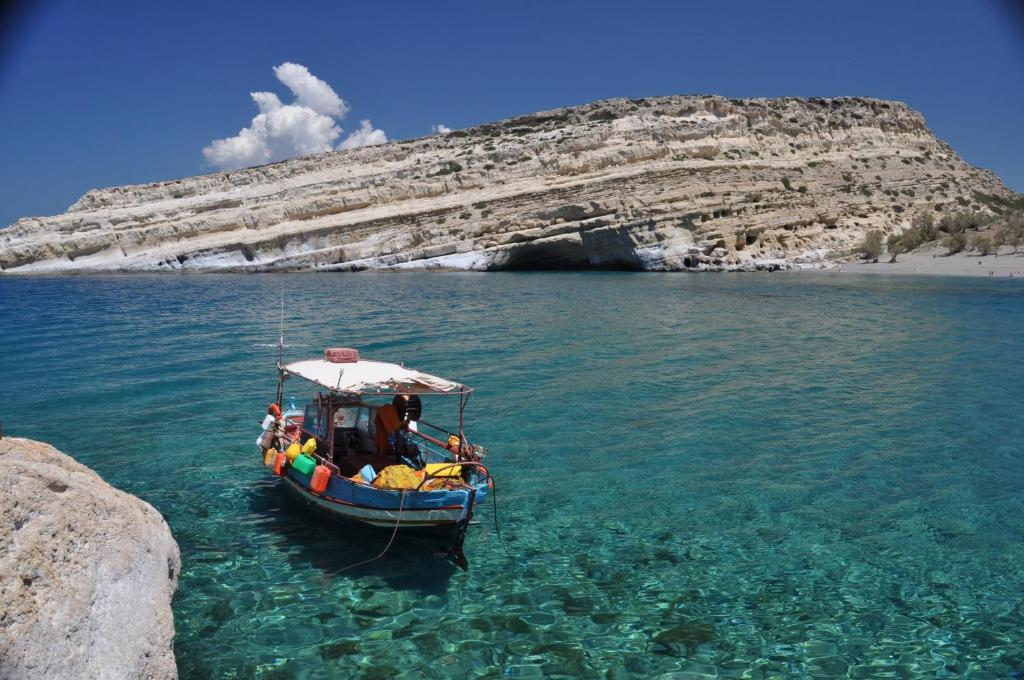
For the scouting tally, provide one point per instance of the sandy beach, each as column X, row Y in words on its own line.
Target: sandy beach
column 931, row 260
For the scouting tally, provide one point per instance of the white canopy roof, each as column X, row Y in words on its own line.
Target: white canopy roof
column 362, row 377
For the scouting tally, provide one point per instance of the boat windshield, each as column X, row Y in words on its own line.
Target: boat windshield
column 314, row 421
column 352, row 417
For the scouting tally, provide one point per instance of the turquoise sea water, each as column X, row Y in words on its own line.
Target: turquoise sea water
column 778, row 475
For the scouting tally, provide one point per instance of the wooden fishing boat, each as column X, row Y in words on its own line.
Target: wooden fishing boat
column 361, row 452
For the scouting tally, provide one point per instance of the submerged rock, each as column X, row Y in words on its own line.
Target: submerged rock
column 87, row 573
column 694, row 183
column 677, row 639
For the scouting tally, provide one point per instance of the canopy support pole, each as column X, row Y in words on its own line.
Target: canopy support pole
column 280, row 384
column 463, row 398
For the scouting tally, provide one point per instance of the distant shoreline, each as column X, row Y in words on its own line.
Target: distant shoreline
column 928, row 260
column 931, row 260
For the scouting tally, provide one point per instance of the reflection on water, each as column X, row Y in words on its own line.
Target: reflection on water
column 729, row 475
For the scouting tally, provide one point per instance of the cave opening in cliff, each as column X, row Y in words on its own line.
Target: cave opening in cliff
column 565, row 256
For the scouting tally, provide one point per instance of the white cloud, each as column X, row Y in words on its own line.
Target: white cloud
column 440, row 129
column 366, row 135
column 311, row 91
column 279, row 131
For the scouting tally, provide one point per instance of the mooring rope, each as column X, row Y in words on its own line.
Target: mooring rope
column 394, row 532
column 497, row 527
column 398, row 521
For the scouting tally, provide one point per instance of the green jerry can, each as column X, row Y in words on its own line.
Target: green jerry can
column 304, row 464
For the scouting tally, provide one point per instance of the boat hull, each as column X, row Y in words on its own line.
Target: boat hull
column 428, row 514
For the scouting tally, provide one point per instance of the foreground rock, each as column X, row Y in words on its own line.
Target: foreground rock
column 667, row 183
column 87, row 573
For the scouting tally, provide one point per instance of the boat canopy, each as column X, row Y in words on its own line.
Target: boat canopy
column 371, row 377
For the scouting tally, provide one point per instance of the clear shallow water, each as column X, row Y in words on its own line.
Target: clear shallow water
column 731, row 475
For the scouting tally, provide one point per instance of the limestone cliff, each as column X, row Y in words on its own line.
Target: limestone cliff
column 667, row 183
column 87, row 573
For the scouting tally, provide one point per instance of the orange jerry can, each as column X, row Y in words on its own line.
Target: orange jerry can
column 318, row 482
column 279, row 462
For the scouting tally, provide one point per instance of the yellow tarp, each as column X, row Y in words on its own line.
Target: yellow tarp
column 443, row 470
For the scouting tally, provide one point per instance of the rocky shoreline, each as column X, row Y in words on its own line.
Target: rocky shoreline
column 87, row 573
column 679, row 183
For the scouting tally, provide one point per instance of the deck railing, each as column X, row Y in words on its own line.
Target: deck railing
column 441, row 444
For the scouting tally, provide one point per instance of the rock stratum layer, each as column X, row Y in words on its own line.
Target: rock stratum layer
column 667, row 183
column 87, row 573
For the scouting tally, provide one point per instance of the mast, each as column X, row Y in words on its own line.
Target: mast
column 280, row 355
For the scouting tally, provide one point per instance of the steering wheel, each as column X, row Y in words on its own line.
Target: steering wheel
column 353, row 442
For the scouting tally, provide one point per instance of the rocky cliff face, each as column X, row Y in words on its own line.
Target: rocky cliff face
column 668, row 183
column 87, row 573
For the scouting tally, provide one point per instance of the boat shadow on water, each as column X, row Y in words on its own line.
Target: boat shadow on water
column 340, row 549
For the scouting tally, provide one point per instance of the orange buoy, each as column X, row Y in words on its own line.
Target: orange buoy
column 279, row 463
column 318, row 482
column 274, row 410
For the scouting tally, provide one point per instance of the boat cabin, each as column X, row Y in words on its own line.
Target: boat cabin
column 372, row 414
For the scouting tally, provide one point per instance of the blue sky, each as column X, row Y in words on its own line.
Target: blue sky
column 100, row 94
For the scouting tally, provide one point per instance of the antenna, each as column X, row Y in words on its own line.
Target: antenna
column 280, row 336
column 280, row 353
